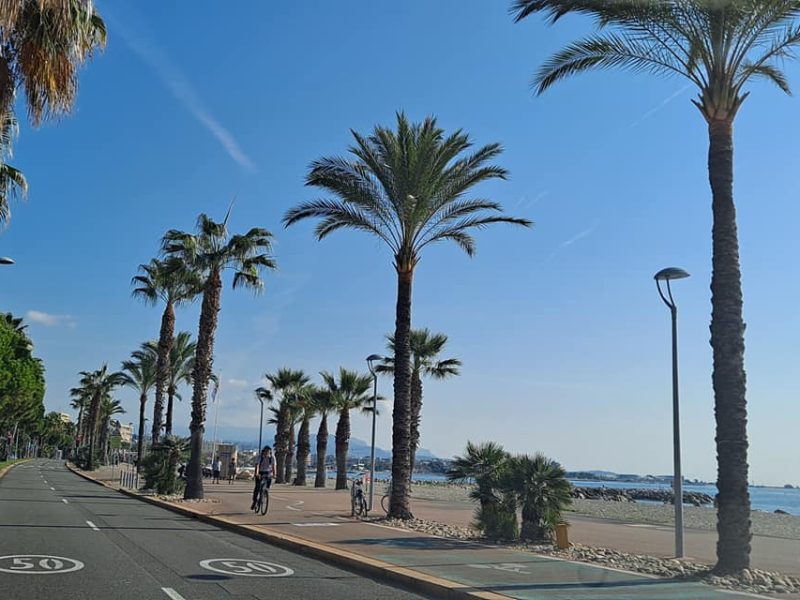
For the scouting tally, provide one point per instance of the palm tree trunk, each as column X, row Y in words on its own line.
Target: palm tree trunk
column 400, row 506
column 94, row 415
column 165, row 341
column 203, row 363
column 322, row 452
column 140, row 441
column 281, row 442
column 79, row 425
column 342, row 443
column 104, row 438
column 727, row 341
column 303, row 451
column 170, row 402
column 287, row 476
column 416, row 412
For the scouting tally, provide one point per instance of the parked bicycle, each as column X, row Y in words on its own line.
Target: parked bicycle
column 262, row 501
column 386, row 499
column 358, row 500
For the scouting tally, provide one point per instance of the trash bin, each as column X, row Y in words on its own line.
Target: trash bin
column 562, row 539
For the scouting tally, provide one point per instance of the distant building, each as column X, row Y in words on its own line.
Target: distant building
column 65, row 417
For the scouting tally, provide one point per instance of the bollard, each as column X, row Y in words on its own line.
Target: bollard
column 562, row 539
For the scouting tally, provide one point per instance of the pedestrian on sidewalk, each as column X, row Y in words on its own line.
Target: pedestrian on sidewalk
column 231, row 470
column 216, row 470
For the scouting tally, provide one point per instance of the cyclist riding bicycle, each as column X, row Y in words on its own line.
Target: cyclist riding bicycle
column 265, row 468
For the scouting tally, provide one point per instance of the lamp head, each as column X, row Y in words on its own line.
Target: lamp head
column 671, row 273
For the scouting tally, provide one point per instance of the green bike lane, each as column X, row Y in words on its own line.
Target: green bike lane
column 322, row 516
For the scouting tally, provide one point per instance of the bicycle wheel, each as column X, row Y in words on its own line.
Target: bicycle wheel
column 385, row 504
column 359, row 506
column 264, row 502
column 257, row 507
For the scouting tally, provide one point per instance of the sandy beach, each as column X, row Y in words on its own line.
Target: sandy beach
column 766, row 524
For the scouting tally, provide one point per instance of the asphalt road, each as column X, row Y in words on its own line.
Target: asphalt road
column 62, row 537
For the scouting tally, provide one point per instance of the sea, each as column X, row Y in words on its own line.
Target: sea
column 766, row 499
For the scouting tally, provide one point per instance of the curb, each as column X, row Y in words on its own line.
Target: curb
column 375, row 569
column 5, row 470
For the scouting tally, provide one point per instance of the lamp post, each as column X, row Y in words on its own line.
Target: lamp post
column 260, row 423
column 370, row 360
column 668, row 275
column 4, row 260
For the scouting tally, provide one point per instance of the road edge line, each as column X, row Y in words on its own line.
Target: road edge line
column 375, row 569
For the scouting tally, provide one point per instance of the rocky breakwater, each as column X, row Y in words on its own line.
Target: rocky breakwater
column 632, row 495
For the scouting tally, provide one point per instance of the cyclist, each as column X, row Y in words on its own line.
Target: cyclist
column 265, row 467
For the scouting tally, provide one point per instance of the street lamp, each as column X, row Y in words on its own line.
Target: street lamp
column 4, row 260
column 260, row 423
column 668, row 275
column 370, row 360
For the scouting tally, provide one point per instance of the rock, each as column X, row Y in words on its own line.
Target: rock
column 778, row 511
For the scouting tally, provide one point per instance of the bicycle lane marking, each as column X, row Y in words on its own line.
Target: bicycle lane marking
column 296, row 503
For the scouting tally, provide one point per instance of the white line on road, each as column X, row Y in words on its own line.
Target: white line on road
column 52, row 488
column 65, row 501
column 92, row 525
column 172, row 594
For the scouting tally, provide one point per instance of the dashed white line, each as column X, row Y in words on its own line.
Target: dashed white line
column 92, row 525
column 65, row 501
column 52, row 488
column 172, row 594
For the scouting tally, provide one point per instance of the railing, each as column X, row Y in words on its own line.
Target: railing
column 128, row 477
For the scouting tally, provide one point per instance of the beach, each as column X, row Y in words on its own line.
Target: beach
column 701, row 518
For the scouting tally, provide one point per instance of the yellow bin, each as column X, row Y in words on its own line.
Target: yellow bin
column 562, row 539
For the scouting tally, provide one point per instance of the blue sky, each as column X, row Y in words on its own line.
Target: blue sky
column 563, row 338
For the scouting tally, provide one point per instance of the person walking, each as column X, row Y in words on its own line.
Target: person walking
column 231, row 470
column 217, row 467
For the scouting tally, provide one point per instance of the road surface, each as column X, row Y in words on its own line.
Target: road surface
column 65, row 538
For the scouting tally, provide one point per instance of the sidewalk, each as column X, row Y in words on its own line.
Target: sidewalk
column 321, row 517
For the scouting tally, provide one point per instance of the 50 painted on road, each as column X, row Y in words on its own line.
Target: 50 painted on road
column 38, row 564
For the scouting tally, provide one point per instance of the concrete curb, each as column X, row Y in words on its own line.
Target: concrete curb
column 376, row 569
column 5, row 470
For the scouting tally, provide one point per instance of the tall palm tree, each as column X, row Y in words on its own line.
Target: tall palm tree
column 407, row 188
column 181, row 364
column 80, row 400
column 108, row 409
column 13, row 184
column 45, row 42
column 352, row 391
column 208, row 253
column 284, row 382
column 97, row 385
column 323, row 405
column 425, row 350
column 181, row 361
column 139, row 373
column 719, row 47
column 306, row 409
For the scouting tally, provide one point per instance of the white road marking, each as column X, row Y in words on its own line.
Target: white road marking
column 92, row 525
column 172, row 594
column 38, row 564
column 52, row 488
column 65, row 501
column 316, row 524
column 293, row 508
column 245, row 567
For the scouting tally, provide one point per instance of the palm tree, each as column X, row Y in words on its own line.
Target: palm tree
column 323, row 404
column 207, row 253
column 13, row 184
column 97, row 385
column 45, row 42
column 407, row 188
column 80, row 400
column 180, row 371
column 719, row 47
column 139, row 373
column 485, row 464
column 284, row 381
column 542, row 490
column 351, row 391
column 169, row 282
column 425, row 349
column 108, row 409
column 306, row 409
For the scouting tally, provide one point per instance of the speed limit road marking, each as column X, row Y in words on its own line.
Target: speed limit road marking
column 38, row 564
column 246, row 568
